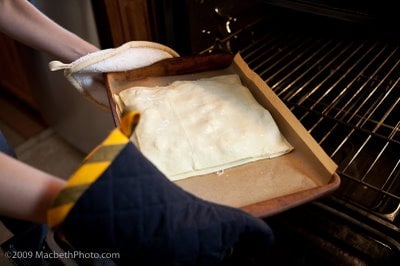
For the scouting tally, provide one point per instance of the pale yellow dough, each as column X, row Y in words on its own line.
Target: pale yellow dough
column 197, row 127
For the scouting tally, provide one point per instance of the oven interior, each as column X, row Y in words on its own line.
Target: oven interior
column 336, row 65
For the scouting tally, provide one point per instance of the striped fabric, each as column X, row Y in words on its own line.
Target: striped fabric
column 92, row 168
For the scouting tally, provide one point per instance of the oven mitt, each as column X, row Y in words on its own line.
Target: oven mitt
column 117, row 201
column 86, row 73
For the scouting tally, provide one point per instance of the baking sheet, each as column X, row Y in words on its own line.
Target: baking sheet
column 264, row 187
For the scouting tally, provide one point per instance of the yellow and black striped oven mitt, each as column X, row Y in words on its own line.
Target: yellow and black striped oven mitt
column 118, row 201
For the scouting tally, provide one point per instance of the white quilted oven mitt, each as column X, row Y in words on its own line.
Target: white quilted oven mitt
column 86, row 73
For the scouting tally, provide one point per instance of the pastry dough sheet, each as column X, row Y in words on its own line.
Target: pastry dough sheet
column 191, row 128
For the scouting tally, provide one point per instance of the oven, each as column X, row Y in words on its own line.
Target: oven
column 336, row 65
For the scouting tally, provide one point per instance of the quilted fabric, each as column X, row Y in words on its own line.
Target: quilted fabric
column 135, row 210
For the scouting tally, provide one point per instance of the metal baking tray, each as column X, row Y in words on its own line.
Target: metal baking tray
column 263, row 187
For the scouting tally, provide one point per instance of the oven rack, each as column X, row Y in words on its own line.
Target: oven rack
column 346, row 92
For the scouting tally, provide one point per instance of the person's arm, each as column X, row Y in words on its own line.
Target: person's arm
column 26, row 192
column 20, row 20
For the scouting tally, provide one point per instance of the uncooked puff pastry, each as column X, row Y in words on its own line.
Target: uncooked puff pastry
column 197, row 127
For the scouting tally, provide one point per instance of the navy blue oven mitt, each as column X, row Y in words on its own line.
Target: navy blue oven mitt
column 118, row 201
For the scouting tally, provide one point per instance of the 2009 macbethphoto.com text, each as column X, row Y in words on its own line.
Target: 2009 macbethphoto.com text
column 60, row 255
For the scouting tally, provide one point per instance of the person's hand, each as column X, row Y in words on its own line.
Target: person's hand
column 118, row 202
column 86, row 73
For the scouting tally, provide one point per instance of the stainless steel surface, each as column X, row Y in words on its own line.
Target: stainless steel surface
column 76, row 119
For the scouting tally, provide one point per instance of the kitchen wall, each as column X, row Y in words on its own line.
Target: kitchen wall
column 72, row 116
